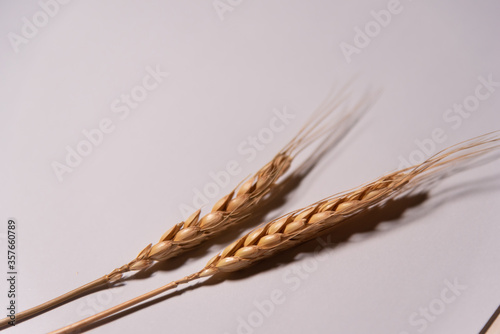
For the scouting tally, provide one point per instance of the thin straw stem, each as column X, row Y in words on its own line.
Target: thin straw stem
column 100, row 282
column 77, row 326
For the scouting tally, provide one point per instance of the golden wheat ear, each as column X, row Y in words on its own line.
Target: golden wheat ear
column 304, row 224
column 232, row 209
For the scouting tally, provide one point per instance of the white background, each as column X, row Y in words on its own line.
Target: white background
column 226, row 77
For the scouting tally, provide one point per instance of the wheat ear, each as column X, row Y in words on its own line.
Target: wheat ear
column 302, row 225
column 230, row 209
column 242, row 201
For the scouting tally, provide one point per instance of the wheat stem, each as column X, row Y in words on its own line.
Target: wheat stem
column 98, row 283
column 96, row 317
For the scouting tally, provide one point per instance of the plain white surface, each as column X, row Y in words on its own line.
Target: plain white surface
column 225, row 79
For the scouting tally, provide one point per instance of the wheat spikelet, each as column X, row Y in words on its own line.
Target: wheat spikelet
column 302, row 225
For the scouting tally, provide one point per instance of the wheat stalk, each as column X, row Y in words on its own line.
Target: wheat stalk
column 302, row 225
column 230, row 209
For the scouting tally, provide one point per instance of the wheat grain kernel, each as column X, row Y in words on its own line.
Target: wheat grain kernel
column 270, row 240
column 372, row 194
column 277, row 225
column 248, row 252
column 328, row 206
column 237, row 202
column 294, row 226
column 304, row 214
column 211, row 219
column 160, row 249
column 231, row 264
column 345, row 205
column 171, row 232
column 229, row 249
column 262, row 182
column 246, row 186
column 186, row 234
column 319, row 217
column 268, row 168
column 253, row 236
column 222, row 203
